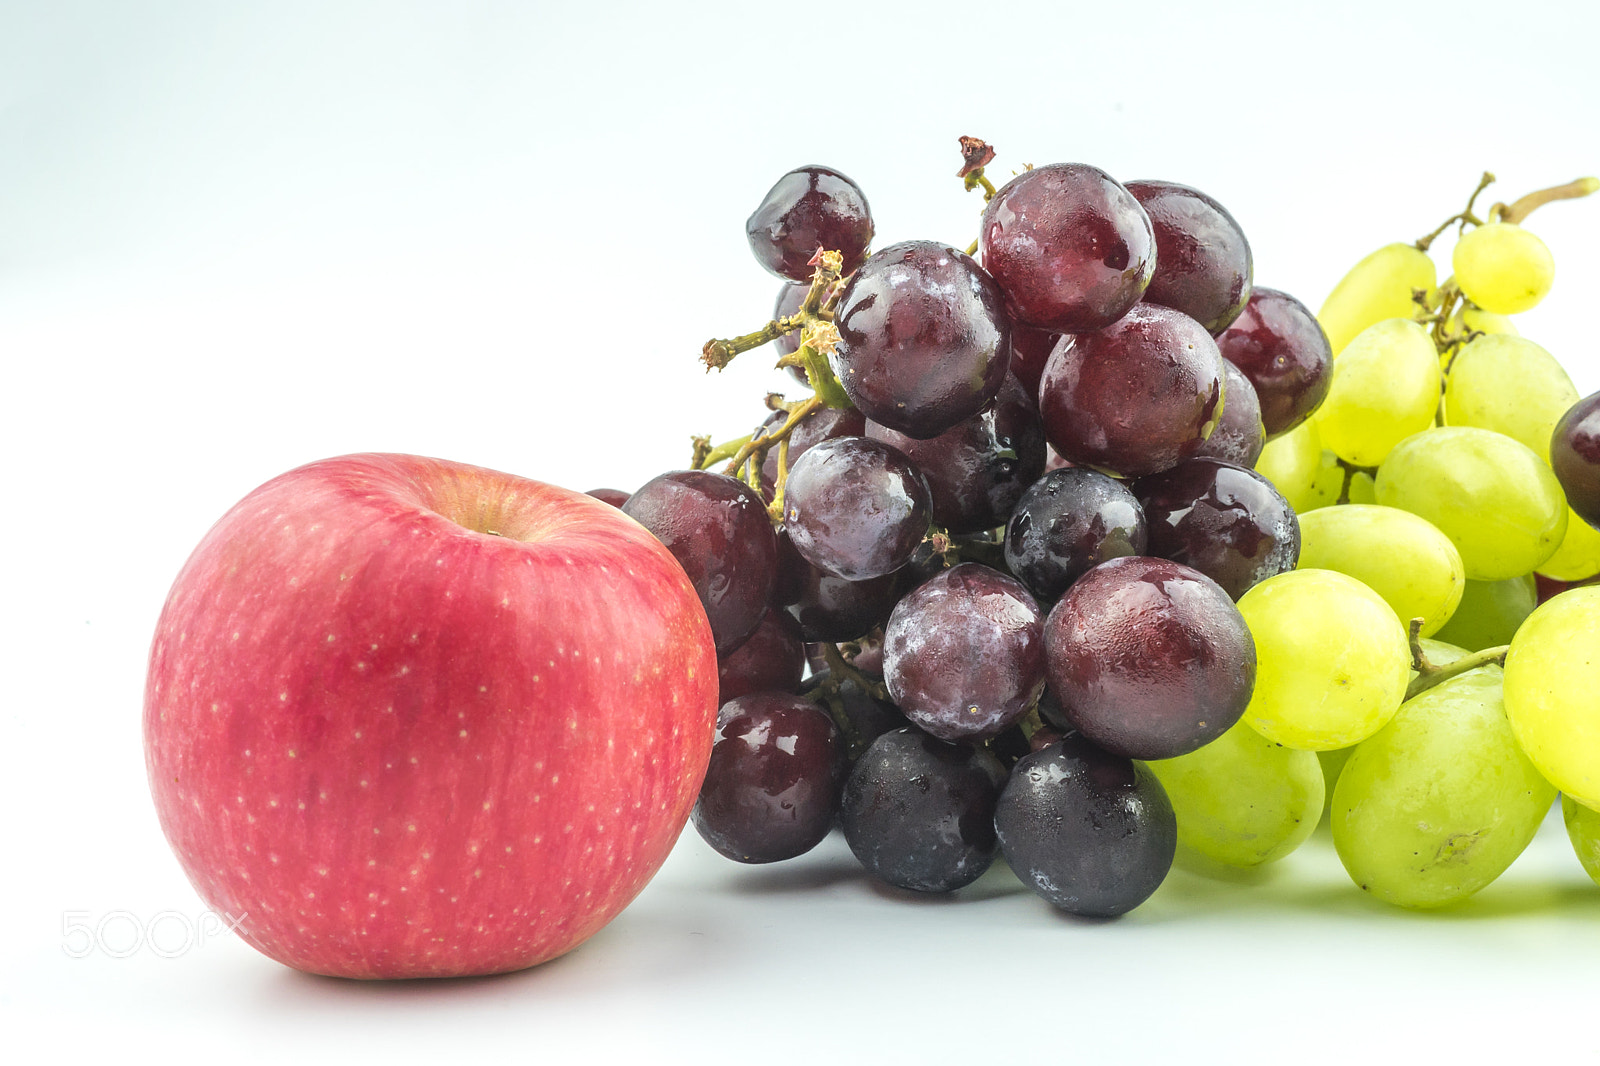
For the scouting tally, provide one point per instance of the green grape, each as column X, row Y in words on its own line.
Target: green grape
column 1329, row 483
column 1333, row 761
column 1385, row 388
column 1490, row 612
column 1503, row 268
column 1378, row 287
column 1579, row 554
column 1289, row 461
column 1477, row 320
column 1396, row 554
column 1438, row 803
column 1493, row 497
column 1331, row 659
column 1510, row 385
column 1552, row 676
column 1583, row 829
column 1243, row 800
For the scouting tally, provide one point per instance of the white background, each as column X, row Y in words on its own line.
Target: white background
column 236, row 238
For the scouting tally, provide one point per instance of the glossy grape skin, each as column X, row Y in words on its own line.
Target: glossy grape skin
column 919, row 813
column 1030, row 350
column 978, row 469
column 1150, row 659
column 1243, row 800
column 1436, row 804
column 1551, row 676
column 833, row 608
column 717, row 528
column 924, row 340
column 1239, row 436
column 1226, row 521
column 1203, row 262
column 1069, row 521
column 1398, row 555
column 773, row 783
column 615, row 497
column 1490, row 612
column 808, row 208
column 1333, row 659
column 963, row 654
column 1089, row 831
column 1378, row 287
column 772, row 659
column 1072, row 248
column 1575, row 457
column 856, row 508
column 1503, row 268
column 1136, row 397
column 1279, row 345
column 1510, row 385
column 822, row 424
column 1494, row 498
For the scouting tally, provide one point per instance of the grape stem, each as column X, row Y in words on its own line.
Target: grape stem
column 757, row 443
column 1422, row 244
column 975, row 154
column 717, row 354
column 1525, row 206
column 705, row 455
column 1429, row 675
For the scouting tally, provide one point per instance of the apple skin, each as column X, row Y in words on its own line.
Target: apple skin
column 401, row 746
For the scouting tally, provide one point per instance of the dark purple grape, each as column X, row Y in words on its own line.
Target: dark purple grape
column 867, row 718
column 977, row 470
column 919, row 813
column 855, row 507
column 809, row 208
column 772, row 786
column 963, row 654
column 1071, row 248
column 1203, row 265
column 1149, row 658
column 831, row 608
column 924, row 339
column 1135, row 397
column 1281, row 348
column 1226, row 521
column 792, row 575
column 1052, row 714
column 772, row 659
column 615, row 497
column 1089, row 831
column 717, row 528
column 1030, row 349
column 1575, row 456
column 820, row 425
column 1068, row 522
column 1239, row 436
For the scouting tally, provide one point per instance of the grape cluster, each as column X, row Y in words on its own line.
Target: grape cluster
column 1084, row 549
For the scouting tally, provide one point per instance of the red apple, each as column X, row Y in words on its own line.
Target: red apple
column 410, row 718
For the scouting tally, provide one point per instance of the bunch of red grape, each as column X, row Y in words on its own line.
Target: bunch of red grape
column 1004, row 536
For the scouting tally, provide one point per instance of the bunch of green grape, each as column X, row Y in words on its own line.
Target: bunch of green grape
column 1409, row 681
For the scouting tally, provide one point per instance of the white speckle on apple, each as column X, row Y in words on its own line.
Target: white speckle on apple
column 272, row 803
column 273, row 859
column 283, row 697
column 331, row 638
column 358, row 734
column 411, row 828
column 462, row 734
